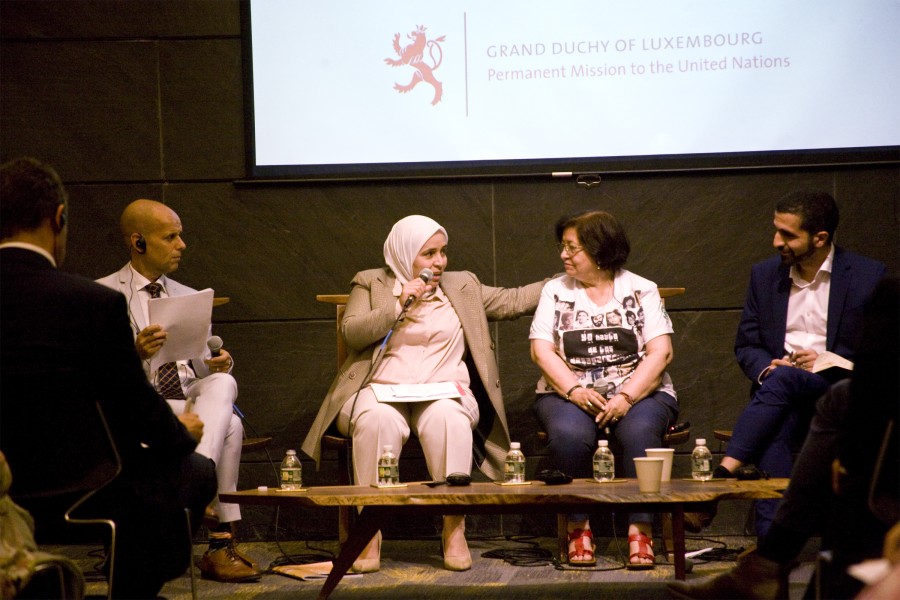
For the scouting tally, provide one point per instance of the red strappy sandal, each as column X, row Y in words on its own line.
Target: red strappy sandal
column 579, row 555
column 645, row 550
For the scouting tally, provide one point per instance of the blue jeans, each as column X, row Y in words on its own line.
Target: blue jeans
column 771, row 426
column 572, row 435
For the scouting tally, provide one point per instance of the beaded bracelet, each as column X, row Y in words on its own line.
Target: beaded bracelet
column 574, row 387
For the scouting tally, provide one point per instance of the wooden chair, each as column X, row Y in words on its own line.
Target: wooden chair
column 681, row 435
column 249, row 444
column 723, row 435
column 338, row 443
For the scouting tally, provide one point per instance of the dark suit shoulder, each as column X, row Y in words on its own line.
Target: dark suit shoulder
column 82, row 286
column 84, row 299
column 30, row 275
column 869, row 266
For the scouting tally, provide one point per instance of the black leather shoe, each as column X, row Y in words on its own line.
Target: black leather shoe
column 753, row 578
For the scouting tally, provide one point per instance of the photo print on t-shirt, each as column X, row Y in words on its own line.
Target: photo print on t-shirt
column 603, row 344
column 564, row 315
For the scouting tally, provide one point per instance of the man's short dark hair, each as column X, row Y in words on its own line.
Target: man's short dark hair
column 30, row 192
column 601, row 235
column 817, row 211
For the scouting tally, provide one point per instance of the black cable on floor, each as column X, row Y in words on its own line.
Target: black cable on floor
column 296, row 559
column 533, row 556
column 617, row 565
column 720, row 554
column 320, row 554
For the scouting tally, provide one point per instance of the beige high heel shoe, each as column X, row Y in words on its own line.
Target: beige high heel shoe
column 369, row 560
column 453, row 542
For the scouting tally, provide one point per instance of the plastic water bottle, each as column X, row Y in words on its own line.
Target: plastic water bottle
column 291, row 472
column 388, row 467
column 514, row 471
column 604, row 462
column 701, row 461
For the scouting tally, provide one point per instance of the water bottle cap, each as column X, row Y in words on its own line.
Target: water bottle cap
column 514, row 445
column 701, row 441
column 603, row 443
column 388, row 448
column 294, row 452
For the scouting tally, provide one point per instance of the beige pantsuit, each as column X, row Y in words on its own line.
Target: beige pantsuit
column 369, row 316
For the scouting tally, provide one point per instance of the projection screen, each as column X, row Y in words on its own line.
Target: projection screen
column 350, row 89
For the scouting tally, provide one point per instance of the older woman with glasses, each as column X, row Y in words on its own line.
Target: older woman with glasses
column 439, row 333
column 633, row 400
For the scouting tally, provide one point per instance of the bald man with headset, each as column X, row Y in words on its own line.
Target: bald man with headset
column 152, row 232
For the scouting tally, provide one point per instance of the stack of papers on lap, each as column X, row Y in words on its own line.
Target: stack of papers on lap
column 416, row 392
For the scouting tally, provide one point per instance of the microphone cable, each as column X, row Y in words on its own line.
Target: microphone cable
column 532, row 556
column 425, row 275
column 376, row 359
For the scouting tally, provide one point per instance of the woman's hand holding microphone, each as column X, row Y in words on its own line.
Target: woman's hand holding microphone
column 416, row 288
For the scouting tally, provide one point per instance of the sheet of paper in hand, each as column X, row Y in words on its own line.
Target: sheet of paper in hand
column 186, row 319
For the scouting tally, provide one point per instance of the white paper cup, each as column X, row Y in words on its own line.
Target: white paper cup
column 649, row 473
column 666, row 454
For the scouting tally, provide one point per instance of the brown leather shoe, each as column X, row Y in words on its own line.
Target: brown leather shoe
column 253, row 564
column 698, row 520
column 753, row 578
column 228, row 566
column 210, row 518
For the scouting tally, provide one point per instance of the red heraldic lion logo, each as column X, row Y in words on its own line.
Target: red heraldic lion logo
column 413, row 56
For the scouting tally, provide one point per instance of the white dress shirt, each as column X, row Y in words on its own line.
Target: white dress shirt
column 807, row 316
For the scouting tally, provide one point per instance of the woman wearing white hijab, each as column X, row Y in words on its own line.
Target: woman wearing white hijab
column 444, row 336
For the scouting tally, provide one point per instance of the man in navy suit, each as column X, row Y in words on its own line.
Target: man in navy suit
column 807, row 301
column 65, row 349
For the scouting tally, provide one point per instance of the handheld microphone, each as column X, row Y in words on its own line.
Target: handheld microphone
column 214, row 344
column 425, row 275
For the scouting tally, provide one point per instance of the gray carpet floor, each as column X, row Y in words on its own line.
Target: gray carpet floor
column 413, row 569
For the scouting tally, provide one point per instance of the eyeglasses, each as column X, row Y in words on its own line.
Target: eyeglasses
column 569, row 249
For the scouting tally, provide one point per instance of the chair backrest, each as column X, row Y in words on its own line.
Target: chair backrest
column 882, row 499
column 57, row 441
column 340, row 303
column 670, row 292
column 107, row 466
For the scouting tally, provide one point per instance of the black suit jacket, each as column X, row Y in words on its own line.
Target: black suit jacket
column 65, row 343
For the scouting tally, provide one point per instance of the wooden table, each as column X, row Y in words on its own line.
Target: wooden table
column 380, row 506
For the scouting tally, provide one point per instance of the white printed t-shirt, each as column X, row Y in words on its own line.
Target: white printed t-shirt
column 602, row 345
